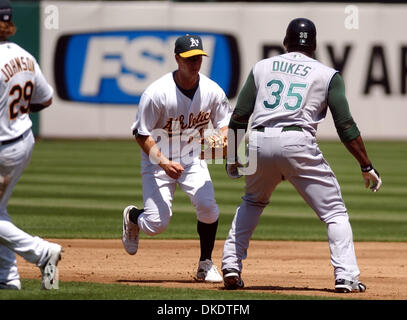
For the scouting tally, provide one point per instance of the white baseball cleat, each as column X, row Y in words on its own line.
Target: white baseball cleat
column 346, row 286
column 207, row 272
column 130, row 235
column 49, row 270
column 11, row 285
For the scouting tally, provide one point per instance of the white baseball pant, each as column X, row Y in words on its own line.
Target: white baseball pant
column 14, row 158
column 158, row 193
column 294, row 155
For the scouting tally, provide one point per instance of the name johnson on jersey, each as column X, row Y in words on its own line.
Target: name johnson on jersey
column 16, row 65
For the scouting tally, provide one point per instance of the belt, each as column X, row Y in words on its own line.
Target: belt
column 288, row 128
column 11, row 140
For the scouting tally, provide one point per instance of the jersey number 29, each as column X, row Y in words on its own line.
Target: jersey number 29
column 22, row 97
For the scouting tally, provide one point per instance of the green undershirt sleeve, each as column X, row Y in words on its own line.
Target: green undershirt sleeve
column 338, row 104
column 245, row 104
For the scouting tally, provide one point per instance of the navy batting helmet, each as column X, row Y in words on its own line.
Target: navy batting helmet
column 301, row 33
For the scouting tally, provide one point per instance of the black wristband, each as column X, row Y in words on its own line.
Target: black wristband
column 367, row 168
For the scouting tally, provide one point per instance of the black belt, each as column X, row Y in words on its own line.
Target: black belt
column 288, row 128
column 11, row 140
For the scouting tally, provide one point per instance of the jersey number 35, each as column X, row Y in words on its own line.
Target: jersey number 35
column 290, row 100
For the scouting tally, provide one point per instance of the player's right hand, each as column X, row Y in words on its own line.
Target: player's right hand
column 173, row 169
column 372, row 178
column 232, row 169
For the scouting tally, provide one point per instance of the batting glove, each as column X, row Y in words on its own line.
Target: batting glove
column 371, row 177
column 232, row 170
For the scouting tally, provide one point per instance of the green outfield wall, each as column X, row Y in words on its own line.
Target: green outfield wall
column 26, row 17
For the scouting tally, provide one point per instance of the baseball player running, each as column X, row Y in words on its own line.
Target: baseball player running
column 173, row 112
column 23, row 89
column 287, row 96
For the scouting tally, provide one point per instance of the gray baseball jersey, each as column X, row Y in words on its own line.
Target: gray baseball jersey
column 292, row 89
column 290, row 100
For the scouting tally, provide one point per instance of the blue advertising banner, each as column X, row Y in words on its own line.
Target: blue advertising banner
column 116, row 66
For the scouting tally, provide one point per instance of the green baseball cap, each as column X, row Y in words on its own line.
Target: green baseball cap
column 189, row 46
column 5, row 10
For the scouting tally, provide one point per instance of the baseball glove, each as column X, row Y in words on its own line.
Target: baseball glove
column 214, row 147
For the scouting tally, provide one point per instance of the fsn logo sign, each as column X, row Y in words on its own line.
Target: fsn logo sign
column 115, row 67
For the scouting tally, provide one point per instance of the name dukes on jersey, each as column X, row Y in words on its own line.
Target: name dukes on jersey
column 291, row 68
column 177, row 125
column 16, row 65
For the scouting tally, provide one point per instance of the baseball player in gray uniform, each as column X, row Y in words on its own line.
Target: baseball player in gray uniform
column 174, row 111
column 23, row 89
column 287, row 97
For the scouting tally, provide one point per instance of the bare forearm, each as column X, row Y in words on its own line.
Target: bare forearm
column 372, row 178
column 148, row 145
column 357, row 148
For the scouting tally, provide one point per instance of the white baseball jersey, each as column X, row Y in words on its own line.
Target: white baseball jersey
column 21, row 83
column 163, row 106
column 172, row 118
column 295, row 93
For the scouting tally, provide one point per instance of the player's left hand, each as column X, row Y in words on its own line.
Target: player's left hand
column 372, row 178
column 232, row 170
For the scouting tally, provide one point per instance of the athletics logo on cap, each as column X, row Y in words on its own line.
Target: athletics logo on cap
column 189, row 46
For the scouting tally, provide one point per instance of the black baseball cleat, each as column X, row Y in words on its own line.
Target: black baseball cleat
column 346, row 286
column 232, row 279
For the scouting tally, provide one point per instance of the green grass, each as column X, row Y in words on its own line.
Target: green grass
column 78, row 189
column 96, row 291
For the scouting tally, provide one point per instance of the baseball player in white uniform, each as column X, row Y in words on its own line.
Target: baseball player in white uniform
column 23, row 89
column 287, row 97
column 173, row 113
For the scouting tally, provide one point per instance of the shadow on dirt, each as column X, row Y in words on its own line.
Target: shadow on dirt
column 155, row 281
column 278, row 288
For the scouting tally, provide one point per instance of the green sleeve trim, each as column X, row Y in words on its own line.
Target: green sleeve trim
column 338, row 104
column 246, row 99
column 234, row 125
column 349, row 133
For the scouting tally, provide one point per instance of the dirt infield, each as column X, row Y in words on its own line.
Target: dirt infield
column 284, row 267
